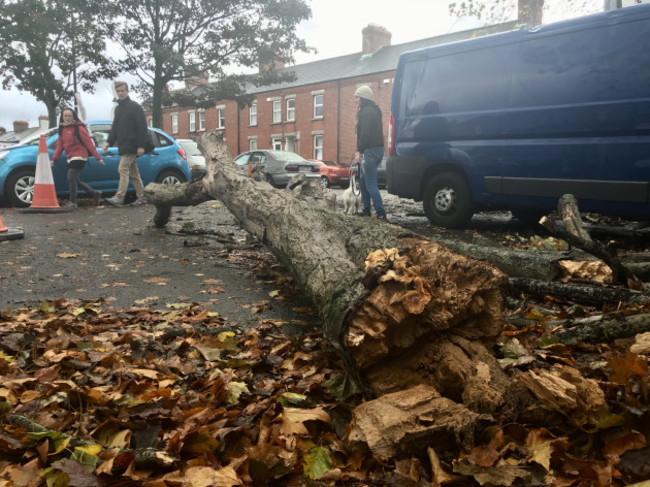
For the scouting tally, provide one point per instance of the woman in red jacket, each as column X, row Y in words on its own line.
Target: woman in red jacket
column 77, row 144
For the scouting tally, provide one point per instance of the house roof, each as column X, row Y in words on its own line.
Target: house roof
column 12, row 137
column 357, row 64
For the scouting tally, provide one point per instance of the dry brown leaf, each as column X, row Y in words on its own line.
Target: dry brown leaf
column 68, row 256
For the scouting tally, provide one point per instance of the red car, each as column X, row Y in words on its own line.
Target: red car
column 333, row 173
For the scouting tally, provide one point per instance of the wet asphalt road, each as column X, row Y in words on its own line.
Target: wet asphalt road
column 117, row 257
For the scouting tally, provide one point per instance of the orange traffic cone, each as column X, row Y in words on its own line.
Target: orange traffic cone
column 44, row 198
column 10, row 233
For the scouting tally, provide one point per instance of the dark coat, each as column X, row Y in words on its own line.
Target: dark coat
column 370, row 129
column 129, row 128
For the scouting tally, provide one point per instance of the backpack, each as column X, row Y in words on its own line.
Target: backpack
column 78, row 135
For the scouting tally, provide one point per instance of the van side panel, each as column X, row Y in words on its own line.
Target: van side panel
column 530, row 115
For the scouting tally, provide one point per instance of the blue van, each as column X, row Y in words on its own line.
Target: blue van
column 515, row 120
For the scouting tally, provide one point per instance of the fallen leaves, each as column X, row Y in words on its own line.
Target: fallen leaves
column 180, row 397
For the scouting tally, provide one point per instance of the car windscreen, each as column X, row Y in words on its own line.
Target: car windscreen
column 286, row 156
column 191, row 148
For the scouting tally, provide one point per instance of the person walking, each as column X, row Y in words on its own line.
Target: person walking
column 370, row 145
column 77, row 144
column 129, row 131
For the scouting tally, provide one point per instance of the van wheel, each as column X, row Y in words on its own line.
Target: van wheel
column 20, row 188
column 447, row 200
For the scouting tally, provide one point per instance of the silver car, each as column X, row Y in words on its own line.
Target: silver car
column 278, row 165
column 194, row 158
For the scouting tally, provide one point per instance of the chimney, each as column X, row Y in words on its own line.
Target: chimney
column 194, row 81
column 374, row 38
column 20, row 126
column 530, row 12
column 275, row 65
column 44, row 121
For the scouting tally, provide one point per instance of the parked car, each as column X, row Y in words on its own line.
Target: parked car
column 278, row 165
column 333, row 173
column 194, row 158
column 18, row 165
column 516, row 120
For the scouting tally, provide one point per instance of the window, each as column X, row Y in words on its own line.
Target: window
column 276, row 143
column 318, row 147
column 192, row 121
column 252, row 114
column 318, row 106
column 221, row 117
column 252, row 143
column 174, row 123
column 291, row 109
column 277, row 111
column 201, row 119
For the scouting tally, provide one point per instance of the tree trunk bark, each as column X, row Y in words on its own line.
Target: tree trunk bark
column 585, row 293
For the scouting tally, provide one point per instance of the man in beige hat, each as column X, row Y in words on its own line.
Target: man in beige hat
column 370, row 144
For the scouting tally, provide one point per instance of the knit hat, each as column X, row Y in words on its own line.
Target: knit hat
column 364, row 92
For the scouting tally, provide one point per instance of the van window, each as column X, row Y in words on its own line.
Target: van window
column 469, row 81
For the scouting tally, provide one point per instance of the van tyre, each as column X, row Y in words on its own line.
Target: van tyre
column 169, row 176
column 20, row 188
column 447, row 200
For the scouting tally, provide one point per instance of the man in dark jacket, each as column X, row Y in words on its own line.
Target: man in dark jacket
column 370, row 143
column 129, row 131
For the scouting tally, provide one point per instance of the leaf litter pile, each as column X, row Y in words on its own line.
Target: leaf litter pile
column 181, row 398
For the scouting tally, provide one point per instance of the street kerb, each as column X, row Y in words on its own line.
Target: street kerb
column 44, row 198
column 8, row 233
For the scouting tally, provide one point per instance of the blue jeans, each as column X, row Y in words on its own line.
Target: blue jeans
column 368, row 181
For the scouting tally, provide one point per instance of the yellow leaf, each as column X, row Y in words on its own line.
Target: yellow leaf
column 90, row 449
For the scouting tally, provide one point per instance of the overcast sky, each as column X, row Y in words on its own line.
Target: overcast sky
column 334, row 29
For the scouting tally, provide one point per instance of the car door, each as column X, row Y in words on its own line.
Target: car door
column 106, row 177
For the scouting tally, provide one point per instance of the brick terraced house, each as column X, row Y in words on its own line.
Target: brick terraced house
column 314, row 115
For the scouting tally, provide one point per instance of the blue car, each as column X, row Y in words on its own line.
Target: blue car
column 166, row 164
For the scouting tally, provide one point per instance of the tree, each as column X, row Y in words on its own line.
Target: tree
column 527, row 12
column 168, row 41
column 45, row 43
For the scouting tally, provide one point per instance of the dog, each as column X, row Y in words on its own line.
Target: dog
column 351, row 202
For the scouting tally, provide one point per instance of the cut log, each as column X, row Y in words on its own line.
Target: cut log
column 403, row 422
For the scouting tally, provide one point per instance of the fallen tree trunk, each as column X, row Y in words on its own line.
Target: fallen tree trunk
column 604, row 329
column 403, row 311
column 413, row 298
column 585, row 293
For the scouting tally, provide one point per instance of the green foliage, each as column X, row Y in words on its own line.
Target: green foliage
column 342, row 387
column 173, row 40
column 43, row 42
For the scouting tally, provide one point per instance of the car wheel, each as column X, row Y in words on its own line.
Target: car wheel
column 20, row 188
column 324, row 182
column 269, row 180
column 447, row 200
column 169, row 176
